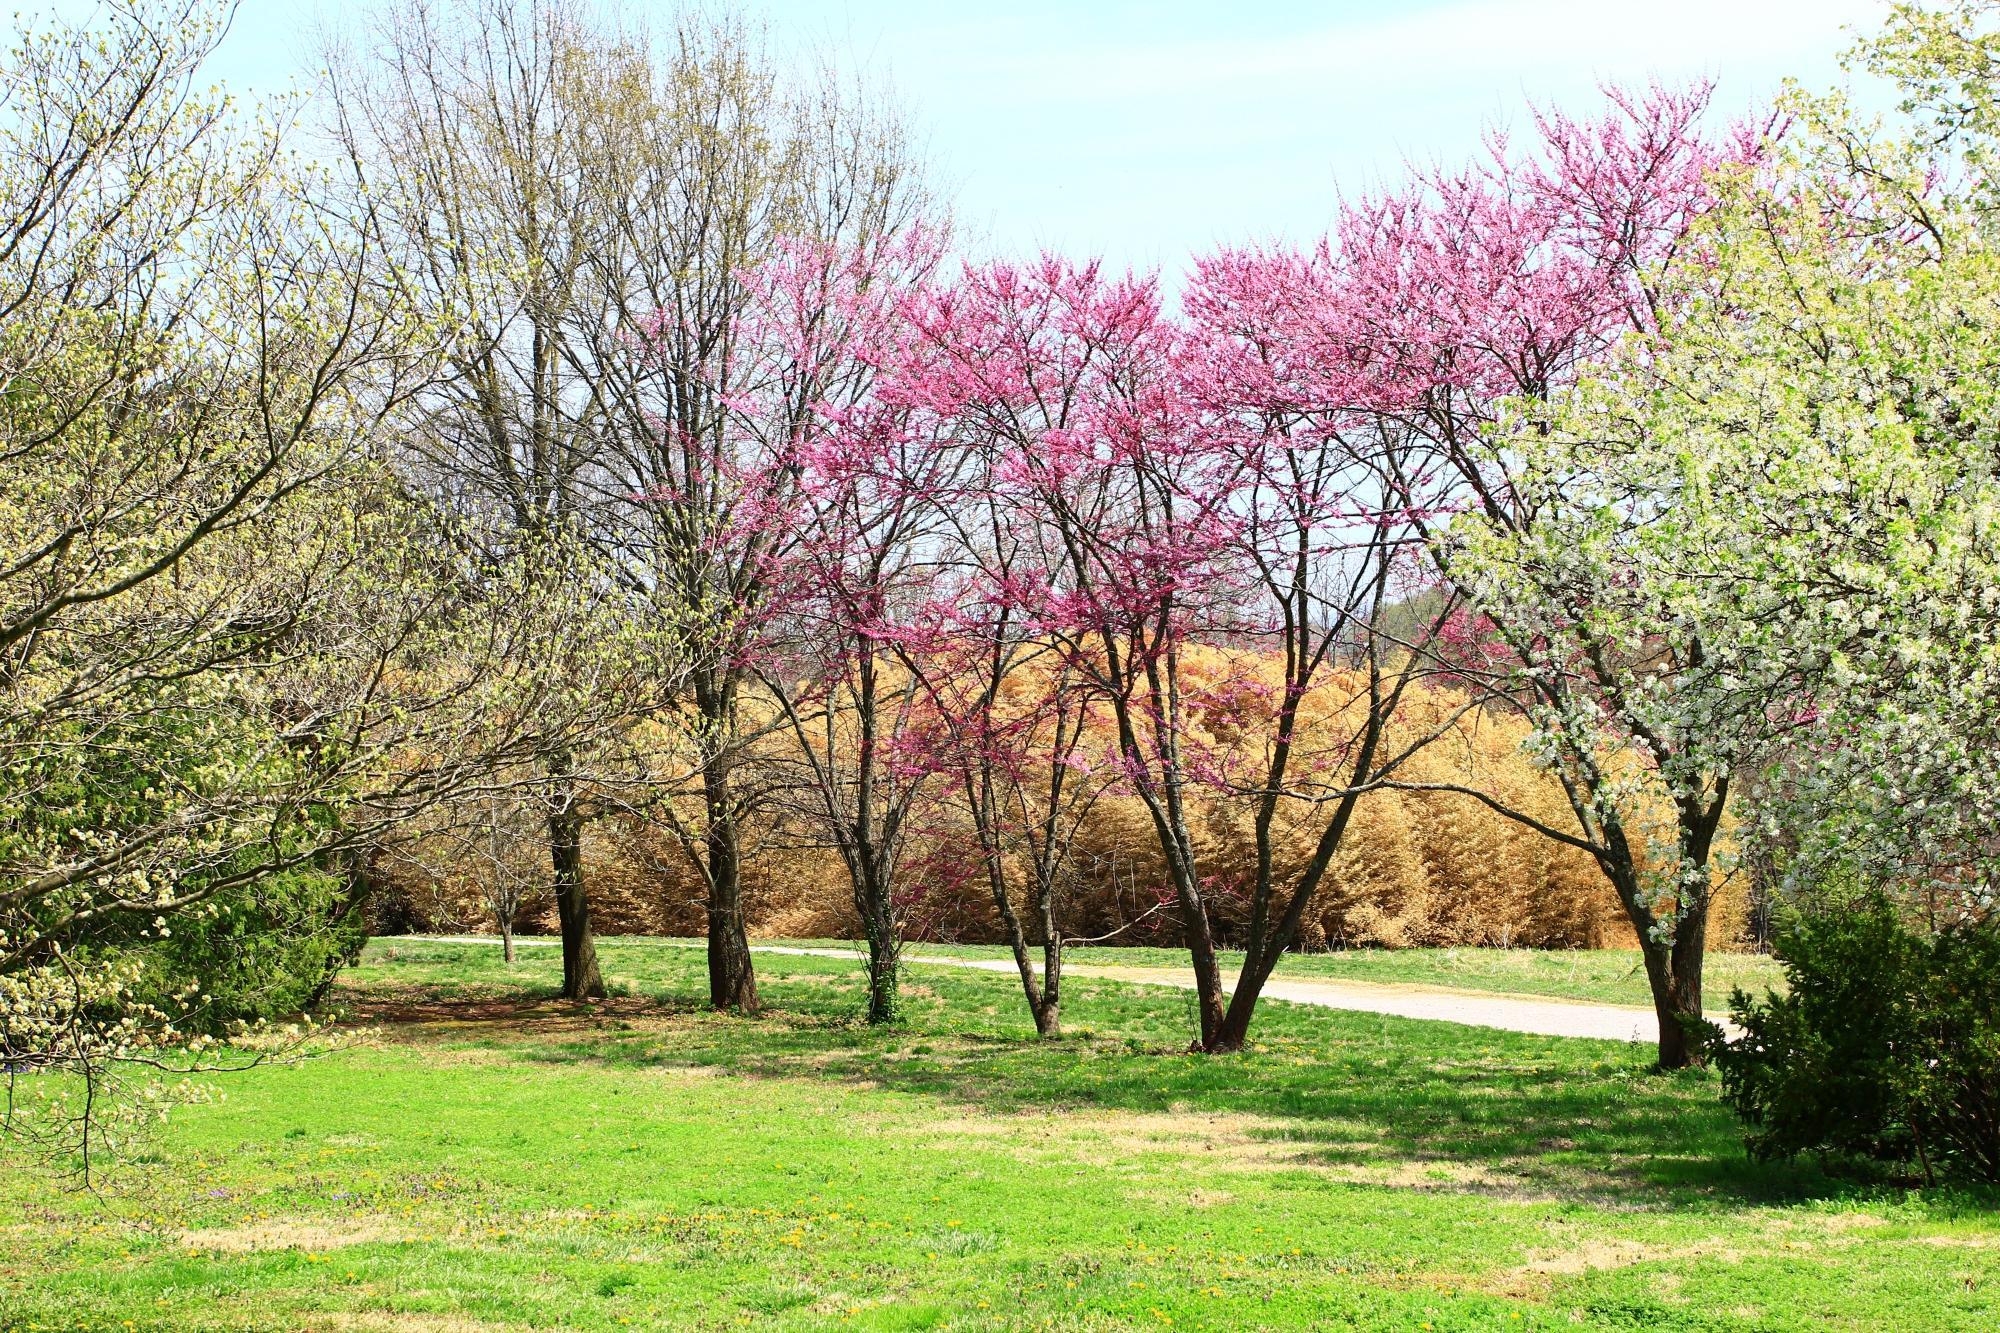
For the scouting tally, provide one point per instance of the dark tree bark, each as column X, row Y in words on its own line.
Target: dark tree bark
column 1673, row 976
column 1674, row 967
column 1673, row 940
column 732, row 976
column 1048, row 1014
column 1313, row 629
column 581, row 978
column 1690, row 944
column 884, row 962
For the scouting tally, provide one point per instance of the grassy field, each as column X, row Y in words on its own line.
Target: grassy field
column 1607, row 976
column 494, row 1160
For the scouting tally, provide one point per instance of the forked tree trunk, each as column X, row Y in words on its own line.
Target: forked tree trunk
column 884, row 996
column 1042, row 992
column 1674, row 964
column 1234, row 1029
column 1269, row 939
column 1673, row 972
column 870, row 852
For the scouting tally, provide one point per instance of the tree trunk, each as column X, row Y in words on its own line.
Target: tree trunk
column 1048, row 1010
column 1674, row 970
column 1268, row 943
column 1234, row 1029
column 1673, row 975
column 507, row 940
column 1040, row 992
column 1170, row 826
column 1684, row 972
column 1163, row 806
column 1197, row 936
column 581, row 979
column 883, row 994
column 871, row 856
column 878, row 921
column 1673, row 1044
column 1207, row 977
column 1048, row 1013
column 732, row 978
column 1044, row 993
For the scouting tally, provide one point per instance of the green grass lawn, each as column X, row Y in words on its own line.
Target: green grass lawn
column 1608, row 976
column 495, row 1160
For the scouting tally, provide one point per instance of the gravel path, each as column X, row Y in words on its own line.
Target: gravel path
column 1511, row 1013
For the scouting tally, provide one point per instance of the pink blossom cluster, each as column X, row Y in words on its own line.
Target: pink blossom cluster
column 1012, row 491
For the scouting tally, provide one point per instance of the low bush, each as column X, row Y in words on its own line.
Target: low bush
column 1887, row 1046
column 268, row 950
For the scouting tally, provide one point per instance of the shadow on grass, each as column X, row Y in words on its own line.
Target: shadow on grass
column 1498, row 1111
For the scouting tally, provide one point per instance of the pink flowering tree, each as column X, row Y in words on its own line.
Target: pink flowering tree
column 1004, row 727
column 1146, row 488
column 724, row 414
column 1068, row 381
column 874, row 479
column 1322, row 549
column 1007, row 715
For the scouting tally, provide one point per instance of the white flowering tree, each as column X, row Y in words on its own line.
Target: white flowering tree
column 1757, row 543
column 1892, row 785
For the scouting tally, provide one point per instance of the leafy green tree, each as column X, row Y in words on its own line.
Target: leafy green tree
column 230, row 656
column 1786, row 502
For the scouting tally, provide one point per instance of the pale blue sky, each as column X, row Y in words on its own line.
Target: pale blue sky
column 1146, row 132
